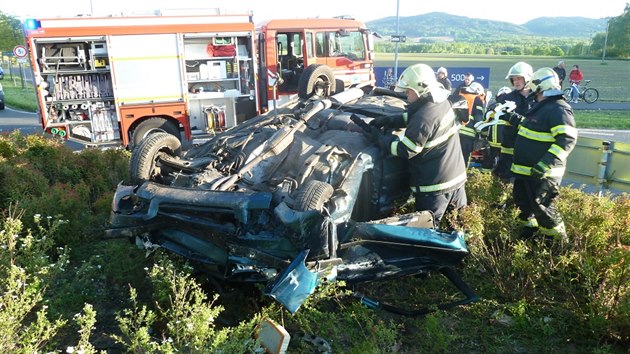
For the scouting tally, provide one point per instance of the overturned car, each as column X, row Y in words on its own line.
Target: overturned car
column 286, row 198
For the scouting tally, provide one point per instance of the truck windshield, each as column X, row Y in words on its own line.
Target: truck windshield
column 350, row 45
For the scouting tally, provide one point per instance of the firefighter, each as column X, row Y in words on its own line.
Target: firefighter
column 475, row 97
column 493, row 134
column 430, row 143
column 519, row 75
column 546, row 136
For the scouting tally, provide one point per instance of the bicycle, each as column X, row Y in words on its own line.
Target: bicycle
column 588, row 94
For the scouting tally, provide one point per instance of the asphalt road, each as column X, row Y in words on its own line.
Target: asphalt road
column 27, row 123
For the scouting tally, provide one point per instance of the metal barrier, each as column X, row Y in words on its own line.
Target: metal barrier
column 600, row 164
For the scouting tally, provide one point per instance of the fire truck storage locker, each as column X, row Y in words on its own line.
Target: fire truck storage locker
column 78, row 88
column 219, row 71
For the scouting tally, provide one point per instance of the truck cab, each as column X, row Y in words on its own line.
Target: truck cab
column 297, row 55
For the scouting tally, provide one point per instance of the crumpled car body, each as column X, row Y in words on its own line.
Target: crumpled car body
column 285, row 198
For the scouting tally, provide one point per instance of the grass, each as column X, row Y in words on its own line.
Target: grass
column 602, row 119
column 609, row 78
column 19, row 97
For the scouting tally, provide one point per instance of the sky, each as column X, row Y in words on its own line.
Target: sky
column 363, row 10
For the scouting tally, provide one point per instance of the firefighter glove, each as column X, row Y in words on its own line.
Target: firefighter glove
column 513, row 118
column 388, row 121
column 385, row 141
column 539, row 170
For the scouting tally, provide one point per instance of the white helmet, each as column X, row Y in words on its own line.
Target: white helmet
column 520, row 69
column 545, row 80
column 503, row 90
column 442, row 70
column 475, row 88
column 421, row 79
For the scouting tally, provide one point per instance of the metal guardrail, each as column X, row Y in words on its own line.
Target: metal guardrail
column 602, row 164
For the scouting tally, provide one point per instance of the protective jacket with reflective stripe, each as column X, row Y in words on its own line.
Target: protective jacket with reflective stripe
column 523, row 104
column 547, row 134
column 431, row 144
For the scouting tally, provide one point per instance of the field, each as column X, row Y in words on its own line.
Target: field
column 611, row 78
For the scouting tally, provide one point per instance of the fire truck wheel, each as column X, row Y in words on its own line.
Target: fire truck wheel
column 152, row 126
column 145, row 164
column 316, row 80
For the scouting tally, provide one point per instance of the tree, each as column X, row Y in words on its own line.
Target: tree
column 10, row 32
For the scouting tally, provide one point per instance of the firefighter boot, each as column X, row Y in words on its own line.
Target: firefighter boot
column 530, row 227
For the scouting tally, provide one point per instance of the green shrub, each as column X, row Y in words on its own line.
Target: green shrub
column 28, row 265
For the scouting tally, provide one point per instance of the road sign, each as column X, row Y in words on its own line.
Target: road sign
column 20, row 51
column 456, row 75
column 7, row 53
column 398, row 38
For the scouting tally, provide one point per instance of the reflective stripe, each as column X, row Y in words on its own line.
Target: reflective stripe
column 411, row 145
column 564, row 129
column 531, row 222
column 534, row 135
column 507, row 150
column 468, row 131
column 521, row 170
column 405, row 116
column 527, row 171
column 435, row 142
column 439, row 187
column 559, row 152
column 557, row 230
column 393, row 148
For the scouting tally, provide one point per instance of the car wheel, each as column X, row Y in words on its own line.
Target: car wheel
column 151, row 126
column 1, row 106
column 313, row 195
column 316, row 80
column 145, row 160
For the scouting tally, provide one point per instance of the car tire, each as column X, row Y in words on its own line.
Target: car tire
column 1, row 106
column 152, row 126
column 314, row 80
column 313, row 195
column 144, row 164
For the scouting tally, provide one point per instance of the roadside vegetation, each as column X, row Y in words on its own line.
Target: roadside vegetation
column 67, row 288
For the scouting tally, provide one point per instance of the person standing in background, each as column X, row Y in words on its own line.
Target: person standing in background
column 476, row 102
column 442, row 77
column 469, row 78
column 560, row 71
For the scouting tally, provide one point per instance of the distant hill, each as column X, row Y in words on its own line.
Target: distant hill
column 461, row 28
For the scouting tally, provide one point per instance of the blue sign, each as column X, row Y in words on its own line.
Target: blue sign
column 385, row 75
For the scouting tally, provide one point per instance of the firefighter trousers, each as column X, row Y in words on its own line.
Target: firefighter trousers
column 439, row 204
column 536, row 198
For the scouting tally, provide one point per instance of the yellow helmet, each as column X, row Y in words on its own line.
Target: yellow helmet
column 421, row 79
column 520, row 69
column 545, row 80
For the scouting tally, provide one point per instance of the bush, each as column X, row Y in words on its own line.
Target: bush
column 63, row 287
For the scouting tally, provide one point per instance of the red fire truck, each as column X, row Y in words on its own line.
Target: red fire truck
column 114, row 80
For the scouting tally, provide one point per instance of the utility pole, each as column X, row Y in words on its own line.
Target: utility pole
column 605, row 42
column 397, row 43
